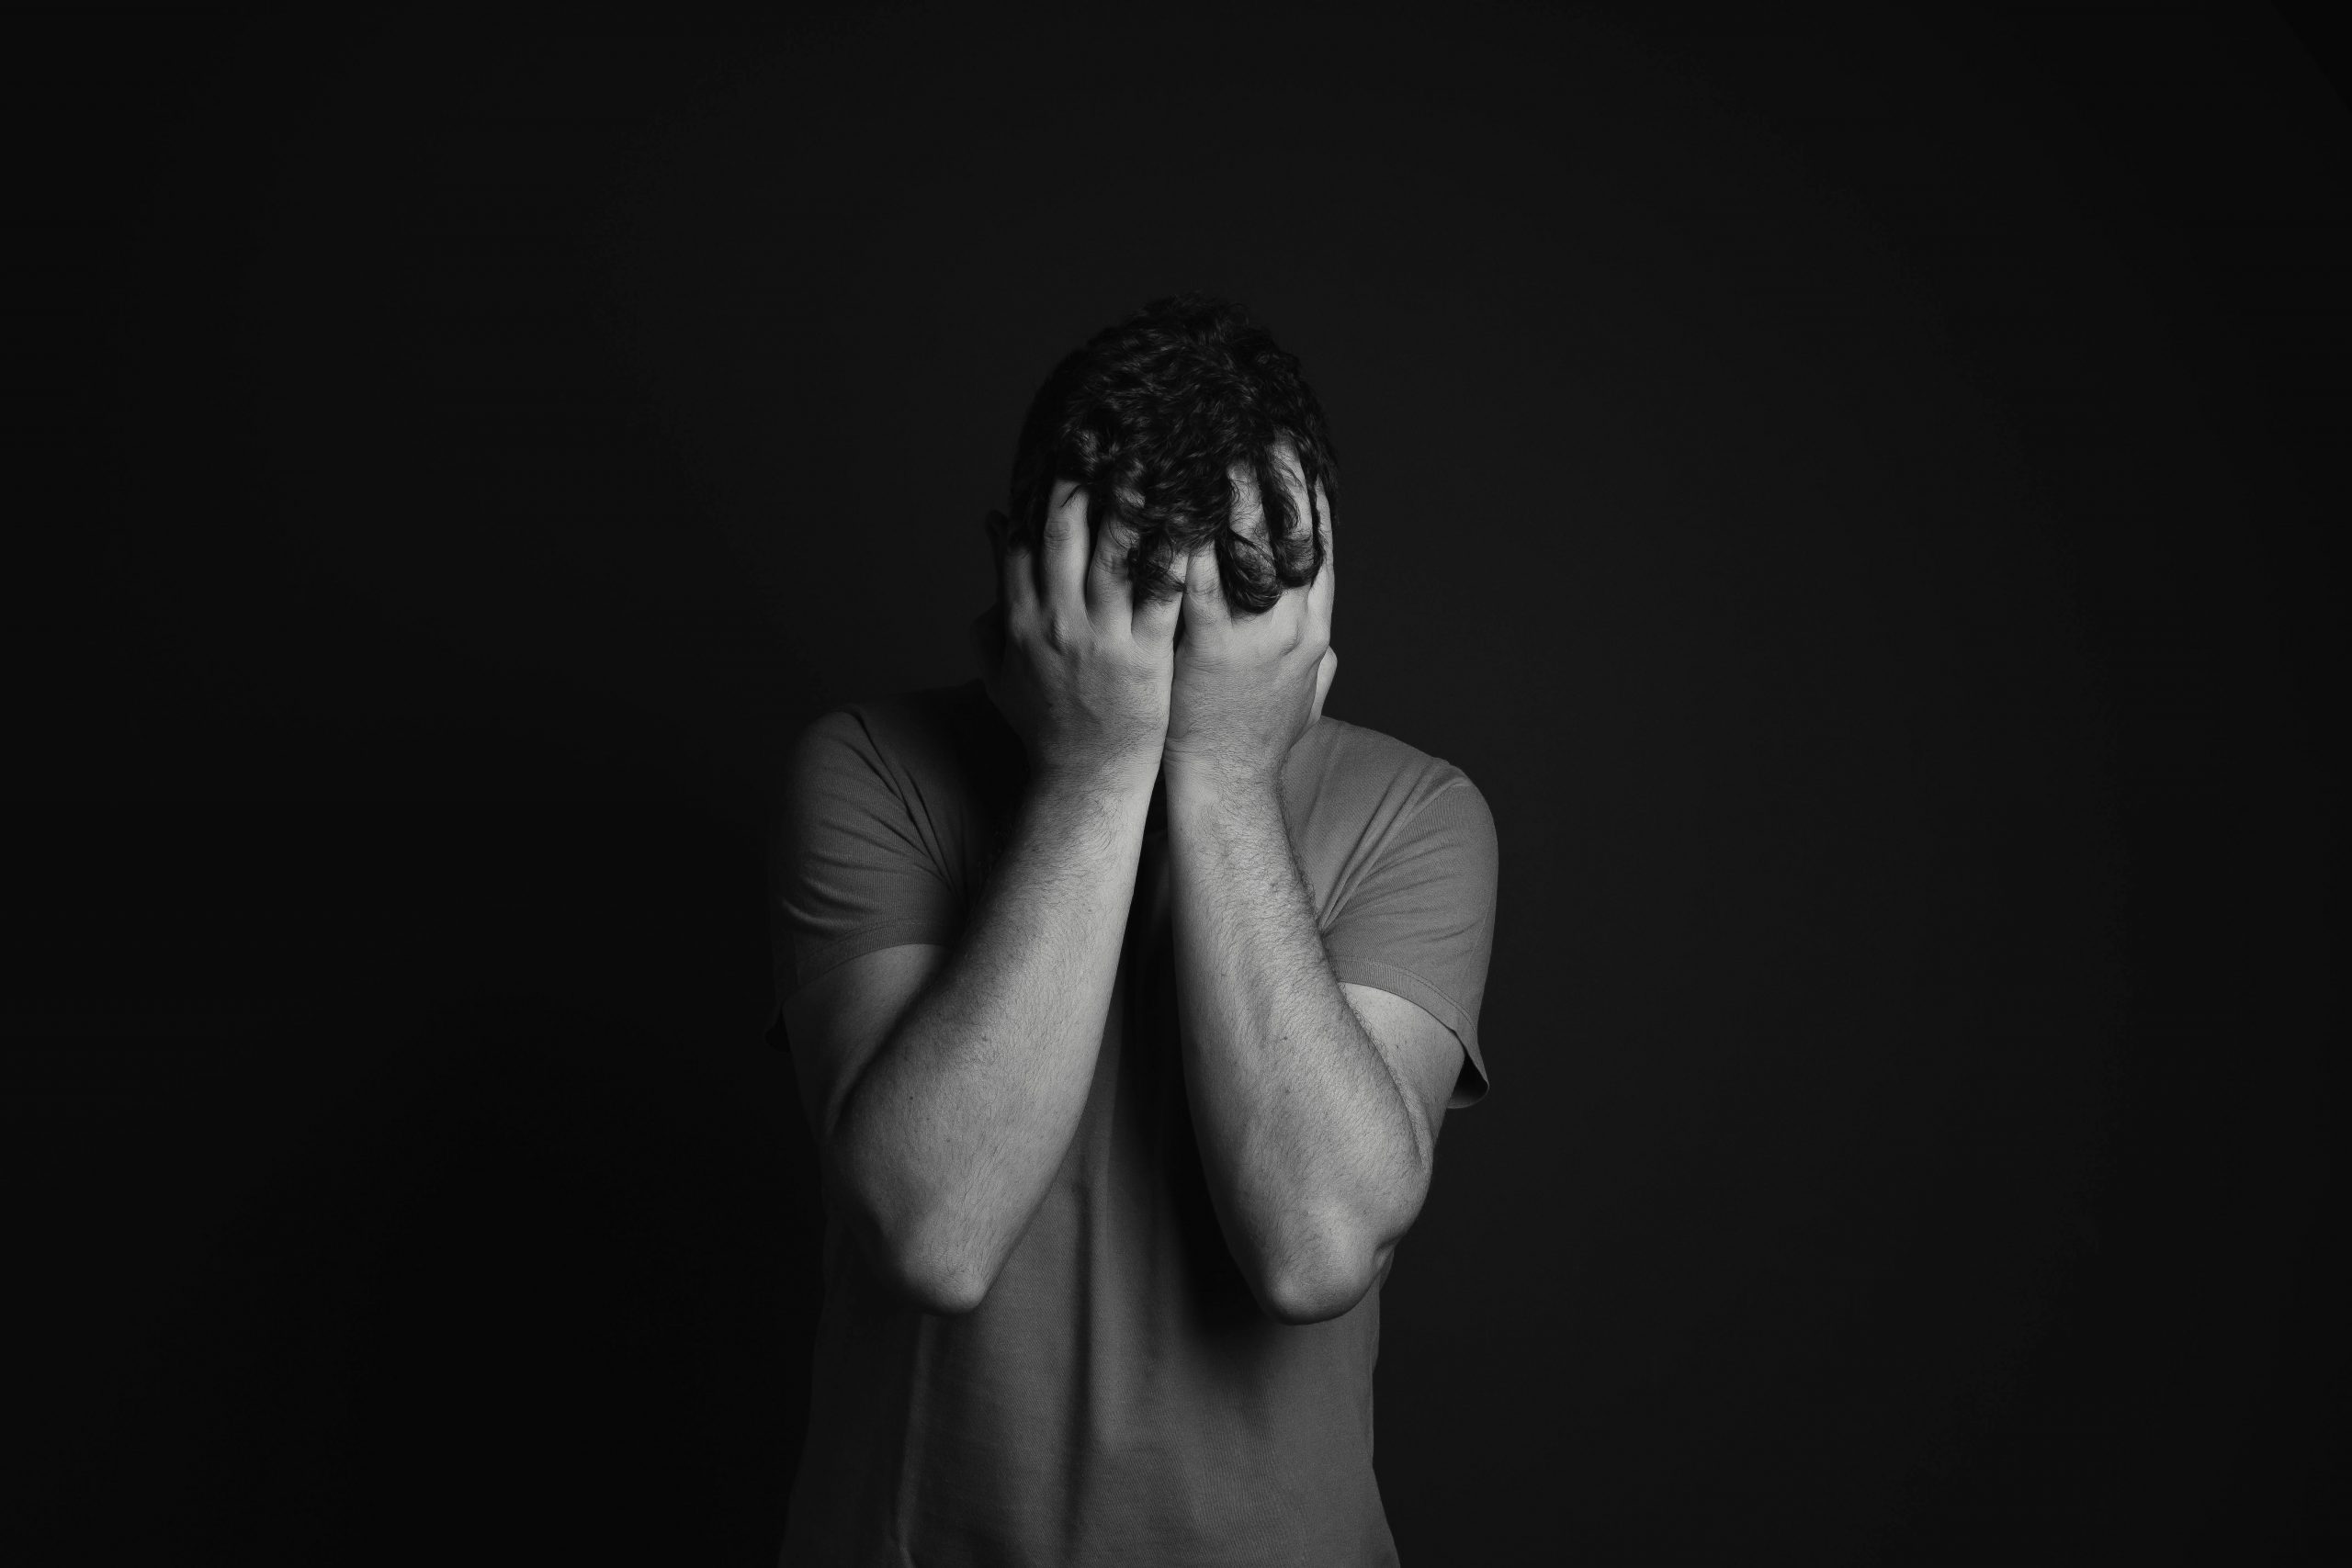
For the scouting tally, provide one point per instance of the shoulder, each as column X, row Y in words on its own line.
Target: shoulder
column 1348, row 785
column 906, row 721
column 943, row 731
column 943, row 754
column 1348, row 767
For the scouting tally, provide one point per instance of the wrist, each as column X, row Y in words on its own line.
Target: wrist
column 1098, row 776
column 1202, row 779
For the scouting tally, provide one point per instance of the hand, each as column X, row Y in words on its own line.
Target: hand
column 1079, row 669
column 1245, row 690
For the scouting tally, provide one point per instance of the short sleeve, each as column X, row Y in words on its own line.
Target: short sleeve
column 1420, row 924
column 858, row 866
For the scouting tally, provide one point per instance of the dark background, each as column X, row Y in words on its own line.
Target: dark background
column 1849, row 486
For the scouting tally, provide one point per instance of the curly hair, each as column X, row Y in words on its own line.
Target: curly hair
column 1157, row 417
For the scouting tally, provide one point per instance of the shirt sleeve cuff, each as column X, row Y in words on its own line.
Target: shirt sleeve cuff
column 1471, row 1087
column 928, row 931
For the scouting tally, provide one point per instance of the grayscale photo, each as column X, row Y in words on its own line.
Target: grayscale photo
column 884, row 786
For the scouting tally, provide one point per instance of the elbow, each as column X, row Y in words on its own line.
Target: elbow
column 928, row 1255
column 944, row 1281
column 1322, row 1270
column 1297, row 1305
column 930, row 1263
column 1317, row 1285
column 941, row 1287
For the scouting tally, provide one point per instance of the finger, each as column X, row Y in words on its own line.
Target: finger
column 1323, row 674
column 1204, row 606
column 1155, row 619
column 1325, row 589
column 1107, row 594
column 1063, row 566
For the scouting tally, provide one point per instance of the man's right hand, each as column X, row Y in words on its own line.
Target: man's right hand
column 947, row 1084
column 1082, row 670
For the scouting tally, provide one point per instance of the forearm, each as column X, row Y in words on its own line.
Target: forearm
column 1314, row 1157
column 948, row 1138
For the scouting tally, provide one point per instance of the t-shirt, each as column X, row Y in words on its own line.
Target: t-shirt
column 1118, row 1397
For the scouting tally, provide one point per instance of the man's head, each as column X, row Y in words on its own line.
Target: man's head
column 1182, row 423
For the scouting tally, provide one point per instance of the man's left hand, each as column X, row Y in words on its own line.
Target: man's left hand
column 1246, row 688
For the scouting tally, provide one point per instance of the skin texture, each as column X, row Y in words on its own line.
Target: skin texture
column 945, row 1084
column 1318, row 1142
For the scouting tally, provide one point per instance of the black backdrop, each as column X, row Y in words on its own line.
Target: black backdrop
column 1850, row 488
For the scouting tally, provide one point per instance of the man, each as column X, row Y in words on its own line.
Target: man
column 1126, row 994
